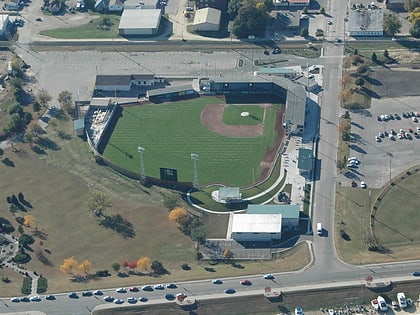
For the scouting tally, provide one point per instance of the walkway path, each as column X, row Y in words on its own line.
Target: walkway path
column 15, row 267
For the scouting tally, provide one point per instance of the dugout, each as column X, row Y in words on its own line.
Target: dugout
column 171, row 93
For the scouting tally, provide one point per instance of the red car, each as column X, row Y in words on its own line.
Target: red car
column 245, row 282
column 410, row 130
column 133, row 289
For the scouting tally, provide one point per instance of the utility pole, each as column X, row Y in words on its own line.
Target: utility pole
column 194, row 157
column 142, row 170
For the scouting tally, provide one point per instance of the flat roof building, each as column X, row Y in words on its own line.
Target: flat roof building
column 255, row 227
column 138, row 22
column 365, row 22
column 207, row 19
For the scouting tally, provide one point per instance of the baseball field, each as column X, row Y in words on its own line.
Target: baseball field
column 230, row 139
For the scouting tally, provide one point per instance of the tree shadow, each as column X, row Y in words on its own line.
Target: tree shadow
column 47, row 143
column 372, row 81
column 38, row 150
column 8, row 162
column 119, row 224
column 370, row 92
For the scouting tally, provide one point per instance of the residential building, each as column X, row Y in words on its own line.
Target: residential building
column 365, row 22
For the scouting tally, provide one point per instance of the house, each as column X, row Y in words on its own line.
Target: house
column 221, row 5
column 136, row 4
column 141, row 22
column 365, row 22
column 207, row 19
column 245, row 227
column 11, row 5
column 395, row 5
column 4, row 23
column 290, row 214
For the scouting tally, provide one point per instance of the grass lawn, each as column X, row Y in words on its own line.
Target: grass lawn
column 171, row 132
column 93, row 29
column 232, row 115
column 12, row 288
column 396, row 230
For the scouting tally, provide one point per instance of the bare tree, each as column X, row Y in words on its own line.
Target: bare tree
column 65, row 98
column 44, row 98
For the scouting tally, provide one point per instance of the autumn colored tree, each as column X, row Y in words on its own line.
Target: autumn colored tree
column 228, row 253
column 132, row 264
column 44, row 98
column 28, row 220
column 124, row 263
column 345, row 95
column 144, row 263
column 85, row 266
column 68, row 265
column 98, row 202
column 178, row 215
column 345, row 79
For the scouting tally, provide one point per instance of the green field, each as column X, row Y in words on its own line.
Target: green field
column 171, row 132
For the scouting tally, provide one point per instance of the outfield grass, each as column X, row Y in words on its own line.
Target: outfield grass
column 171, row 132
column 233, row 112
column 93, row 29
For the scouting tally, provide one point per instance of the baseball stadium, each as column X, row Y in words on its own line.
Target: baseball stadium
column 224, row 137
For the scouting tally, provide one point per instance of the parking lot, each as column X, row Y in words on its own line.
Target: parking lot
column 387, row 158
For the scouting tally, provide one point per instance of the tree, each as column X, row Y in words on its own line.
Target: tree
column 65, row 98
column 26, row 240
column 345, row 96
column 362, row 69
column 322, row 10
column 304, row 32
column 227, row 253
column 251, row 20
column 178, row 215
column 391, row 24
column 36, row 106
column 84, row 267
column 132, row 264
column 144, row 263
column 124, row 263
column 415, row 29
column 44, row 98
column 116, row 266
column 305, row 10
column 199, row 233
column 157, row 267
column 17, row 67
column 386, row 54
column 374, row 57
column 356, row 59
column 28, row 220
column 27, row 117
column 37, row 130
column 68, row 265
column 233, row 8
column 98, row 202
column 411, row 5
column 13, row 208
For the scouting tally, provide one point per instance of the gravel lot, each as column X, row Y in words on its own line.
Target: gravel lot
column 379, row 159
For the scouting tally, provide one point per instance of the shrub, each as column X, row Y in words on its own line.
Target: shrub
column 26, row 240
column 199, row 255
column 42, row 285
column 22, row 258
column 20, row 220
column 27, row 285
column 185, row 266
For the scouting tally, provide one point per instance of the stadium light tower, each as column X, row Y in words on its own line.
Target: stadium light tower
column 142, row 171
column 194, row 157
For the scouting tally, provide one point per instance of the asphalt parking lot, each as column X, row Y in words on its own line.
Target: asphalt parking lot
column 380, row 160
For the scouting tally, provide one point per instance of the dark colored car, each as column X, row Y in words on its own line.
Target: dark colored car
column 230, row 291
column 245, row 282
column 416, row 273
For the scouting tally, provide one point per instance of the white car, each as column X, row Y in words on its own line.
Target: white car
column 121, row 290
column 298, row 310
column 119, row 301
column 35, row 298
column 378, row 139
column 269, row 276
column 363, row 185
column 131, row 299
column 15, row 299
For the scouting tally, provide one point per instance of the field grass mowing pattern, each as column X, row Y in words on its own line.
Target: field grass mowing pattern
column 171, row 132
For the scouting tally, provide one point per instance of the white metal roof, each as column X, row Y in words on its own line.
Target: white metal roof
column 256, row 223
column 207, row 15
column 140, row 19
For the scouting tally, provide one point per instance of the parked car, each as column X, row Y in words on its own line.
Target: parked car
column 378, row 139
column 38, row 19
column 363, row 185
column 121, row 290
column 230, row 291
column 171, row 286
column 73, row 295
column 397, row 117
column 98, row 292
column 298, row 310
column 147, row 288
column 159, row 287
column 276, row 51
column 24, row 299
column 35, row 298
column 217, row 281
column 50, row 297
column 269, row 276
column 87, row 293
column 143, row 299
column 169, row 296
column 15, row 299
column 131, row 300
column 245, row 282
column 414, row 119
column 108, row 298
column 119, row 301
column 133, row 289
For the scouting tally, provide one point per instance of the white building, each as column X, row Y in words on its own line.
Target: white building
column 124, row 82
column 207, row 19
column 135, row 22
column 365, row 22
column 254, row 227
column 4, row 22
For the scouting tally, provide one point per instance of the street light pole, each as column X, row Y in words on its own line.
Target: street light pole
column 194, row 157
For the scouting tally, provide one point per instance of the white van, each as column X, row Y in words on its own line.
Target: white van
column 319, row 228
